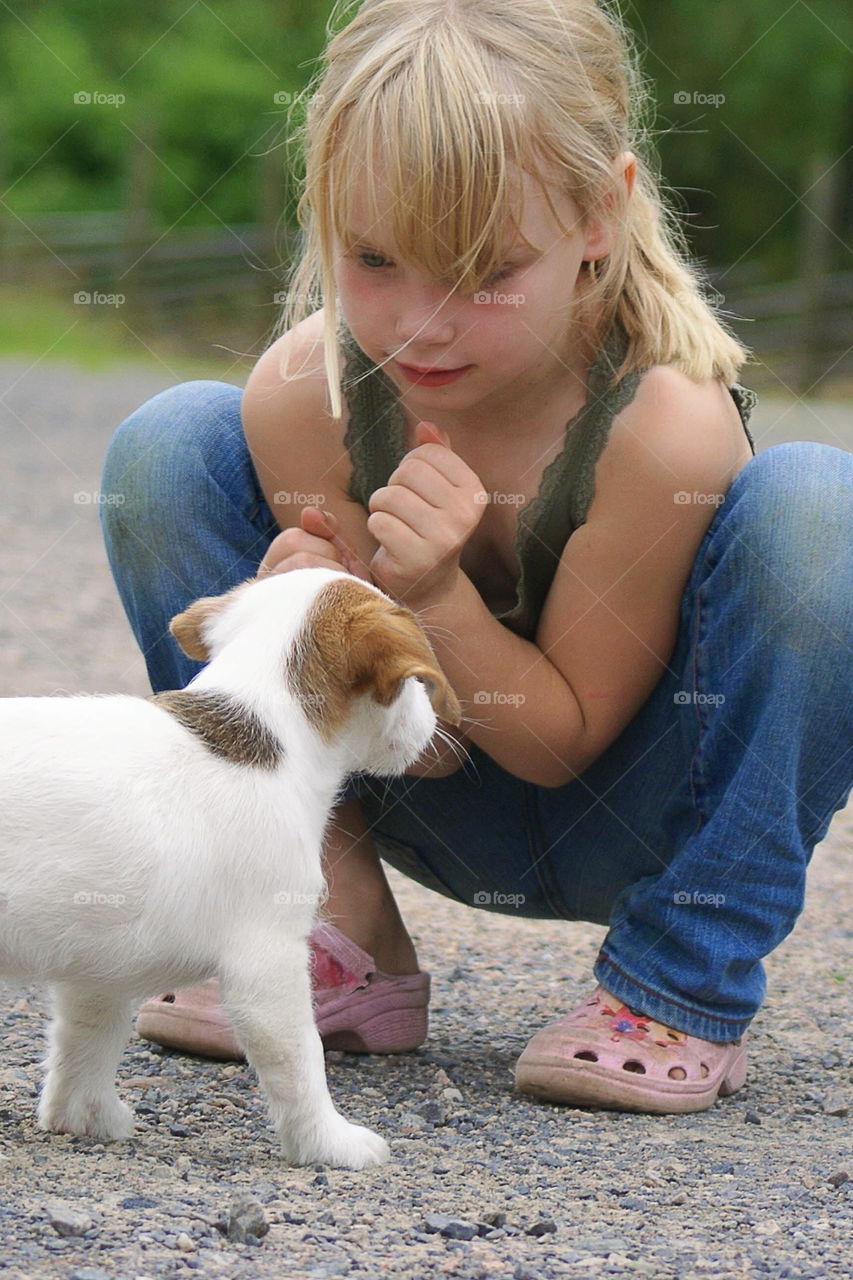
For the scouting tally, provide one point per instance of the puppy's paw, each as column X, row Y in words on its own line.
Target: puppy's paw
column 342, row 1145
column 86, row 1117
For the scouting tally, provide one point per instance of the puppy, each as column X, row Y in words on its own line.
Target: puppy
column 148, row 844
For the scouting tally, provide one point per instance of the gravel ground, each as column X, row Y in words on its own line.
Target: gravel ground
column 482, row 1183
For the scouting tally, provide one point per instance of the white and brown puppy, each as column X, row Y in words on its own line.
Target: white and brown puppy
column 152, row 843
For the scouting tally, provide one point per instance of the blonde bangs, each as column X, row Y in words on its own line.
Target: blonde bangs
column 436, row 160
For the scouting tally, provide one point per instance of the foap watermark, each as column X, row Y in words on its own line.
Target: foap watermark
column 282, row 297
column 85, row 299
column 500, row 499
column 97, row 99
column 95, row 898
column 689, row 697
column 497, row 698
column 494, row 297
column 285, row 98
column 96, row 498
column 683, row 498
column 491, row 99
column 297, row 499
column 289, row 898
column 682, row 898
column 100, row 907
column 684, row 98
column 485, row 898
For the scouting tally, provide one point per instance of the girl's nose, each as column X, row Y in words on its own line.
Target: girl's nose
column 425, row 317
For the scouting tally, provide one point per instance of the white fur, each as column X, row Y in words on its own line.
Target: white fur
column 134, row 860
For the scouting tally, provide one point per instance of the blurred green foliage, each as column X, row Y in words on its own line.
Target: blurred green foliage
column 200, row 85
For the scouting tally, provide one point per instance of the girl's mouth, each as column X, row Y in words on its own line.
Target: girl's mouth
column 431, row 377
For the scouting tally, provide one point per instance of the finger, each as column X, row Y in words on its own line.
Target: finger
column 445, row 461
column 292, row 541
column 423, row 479
column 326, row 525
column 317, row 522
column 408, row 508
column 399, row 542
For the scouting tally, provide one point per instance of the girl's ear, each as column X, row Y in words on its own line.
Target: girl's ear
column 599, row 225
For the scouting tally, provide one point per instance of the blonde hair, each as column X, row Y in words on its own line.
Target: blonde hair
column 456, row 97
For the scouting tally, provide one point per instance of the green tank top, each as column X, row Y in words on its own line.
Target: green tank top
column 376, row 439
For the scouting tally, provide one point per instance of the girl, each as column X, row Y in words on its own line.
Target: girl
column 502, row 397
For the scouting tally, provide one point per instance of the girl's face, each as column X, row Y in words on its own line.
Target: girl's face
column 450, row 352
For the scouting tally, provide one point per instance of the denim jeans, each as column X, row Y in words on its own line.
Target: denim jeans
column 690, row 835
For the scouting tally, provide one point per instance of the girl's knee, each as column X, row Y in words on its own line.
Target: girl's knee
column 157, row 453
column 801, row 480
column 171, row 427
column 793, row 501
column 790, row 530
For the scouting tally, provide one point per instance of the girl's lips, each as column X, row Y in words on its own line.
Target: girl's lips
column 431, row 377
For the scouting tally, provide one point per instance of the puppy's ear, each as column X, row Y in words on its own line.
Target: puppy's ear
column 189, row 627
column 357, row 641
column 392, row 648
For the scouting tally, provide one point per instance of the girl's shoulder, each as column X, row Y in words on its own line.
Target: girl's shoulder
column 304, row 391
column 673, row 412
column 296, row 445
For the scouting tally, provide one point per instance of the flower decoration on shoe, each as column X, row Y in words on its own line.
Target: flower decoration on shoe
column 630, row 1025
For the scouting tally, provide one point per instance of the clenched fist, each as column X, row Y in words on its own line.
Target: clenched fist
column 422, row 519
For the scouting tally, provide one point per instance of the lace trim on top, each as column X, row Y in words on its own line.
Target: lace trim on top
column 376, row 438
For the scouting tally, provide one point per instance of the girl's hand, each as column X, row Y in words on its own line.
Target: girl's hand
column 315, row 545
column 422, row 519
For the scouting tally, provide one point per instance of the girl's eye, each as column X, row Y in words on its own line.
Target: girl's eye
column 372, row 260
column 502, row 273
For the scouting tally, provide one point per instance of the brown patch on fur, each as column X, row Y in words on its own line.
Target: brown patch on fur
column 354, row 641
column 187, row 627
column 226, row 728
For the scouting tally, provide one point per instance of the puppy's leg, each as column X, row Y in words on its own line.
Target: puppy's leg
column 86, row 1039
column 267, row 994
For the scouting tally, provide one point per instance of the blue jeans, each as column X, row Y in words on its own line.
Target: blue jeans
column 690, row 836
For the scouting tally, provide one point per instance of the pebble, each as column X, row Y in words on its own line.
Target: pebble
column 412, row 1122
column 542, row 1228
column 836, row 1105
column 68, row 1222
column 433, row 1112
column 452, row 1228
column 245, row 1218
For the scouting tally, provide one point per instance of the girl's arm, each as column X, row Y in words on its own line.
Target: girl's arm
column 546, row 711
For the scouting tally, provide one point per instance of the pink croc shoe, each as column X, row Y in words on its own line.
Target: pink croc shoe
column 356, row 1006
column 606, row 1055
